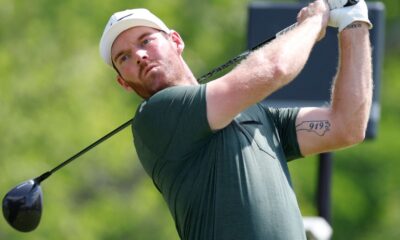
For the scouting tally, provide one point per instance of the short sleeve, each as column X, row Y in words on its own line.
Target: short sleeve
column 285, row 122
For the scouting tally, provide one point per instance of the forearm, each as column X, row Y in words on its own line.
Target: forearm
column 282, row 60
column 352, row 89
column 277, row 63
column 267, row 69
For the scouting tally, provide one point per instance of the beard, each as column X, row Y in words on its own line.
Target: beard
column 163, row 75
column 157, row 75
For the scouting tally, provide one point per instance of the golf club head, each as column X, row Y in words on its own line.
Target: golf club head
column 22, row 206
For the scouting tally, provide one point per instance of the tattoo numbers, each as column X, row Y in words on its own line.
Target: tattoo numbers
column 319, row 127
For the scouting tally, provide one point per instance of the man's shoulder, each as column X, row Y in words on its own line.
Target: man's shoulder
column 175, row 92
column 170, row 102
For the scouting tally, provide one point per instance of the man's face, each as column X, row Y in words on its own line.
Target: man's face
column 147, row 59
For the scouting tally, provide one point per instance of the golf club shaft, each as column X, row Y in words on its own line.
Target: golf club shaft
column 83, row 151
column 201, row 79
column 124, row 125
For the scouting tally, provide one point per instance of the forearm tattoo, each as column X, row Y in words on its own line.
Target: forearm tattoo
column 319, row 127
column 354, row 25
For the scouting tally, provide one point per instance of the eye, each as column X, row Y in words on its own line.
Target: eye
column 123, row 58
column 146, row 41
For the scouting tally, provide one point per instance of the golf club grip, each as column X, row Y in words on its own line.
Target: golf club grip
column 351, row 3
column 347, row 4
column 247, row 52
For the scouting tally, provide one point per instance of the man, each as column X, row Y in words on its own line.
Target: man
column 218, row 157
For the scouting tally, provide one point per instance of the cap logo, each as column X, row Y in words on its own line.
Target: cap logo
column 124, row 17
column 119, row 19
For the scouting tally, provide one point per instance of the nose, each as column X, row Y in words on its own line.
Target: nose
column 141, row 55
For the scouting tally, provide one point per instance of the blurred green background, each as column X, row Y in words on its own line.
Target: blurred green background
column 57, row 96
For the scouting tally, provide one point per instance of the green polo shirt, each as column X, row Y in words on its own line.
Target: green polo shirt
column 229, row 184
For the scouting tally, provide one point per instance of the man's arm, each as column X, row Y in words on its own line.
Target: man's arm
column 266, row 69
column 344, row 122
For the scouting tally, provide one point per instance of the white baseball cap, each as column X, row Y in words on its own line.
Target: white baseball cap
column 123, row 20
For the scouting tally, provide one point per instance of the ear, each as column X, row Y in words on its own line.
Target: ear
column 176, row 38
column 124, row 84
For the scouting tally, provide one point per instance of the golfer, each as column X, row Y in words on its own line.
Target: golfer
column 218, row 157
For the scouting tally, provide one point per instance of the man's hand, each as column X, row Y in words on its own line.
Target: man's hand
column 318, row 9
column 342, row 17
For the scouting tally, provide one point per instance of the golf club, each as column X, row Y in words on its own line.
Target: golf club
column 22, row 205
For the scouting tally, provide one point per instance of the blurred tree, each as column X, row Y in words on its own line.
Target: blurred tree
column 57, row 96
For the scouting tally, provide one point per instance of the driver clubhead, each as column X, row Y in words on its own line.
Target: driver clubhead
column 22, row 206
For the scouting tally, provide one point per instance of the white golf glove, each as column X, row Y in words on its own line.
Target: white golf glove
column 344, row 16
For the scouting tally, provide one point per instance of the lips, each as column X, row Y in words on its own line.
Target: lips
column 146, row 69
